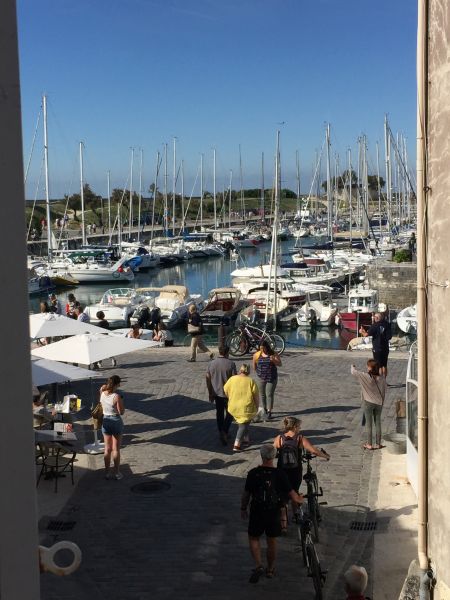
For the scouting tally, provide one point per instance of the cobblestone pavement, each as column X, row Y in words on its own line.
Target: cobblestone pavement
column 188, row 540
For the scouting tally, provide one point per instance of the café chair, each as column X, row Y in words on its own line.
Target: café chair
column 54, row 464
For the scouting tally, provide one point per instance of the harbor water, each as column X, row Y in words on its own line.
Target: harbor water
column 200, row 276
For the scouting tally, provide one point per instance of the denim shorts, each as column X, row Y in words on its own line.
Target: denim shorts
column 112, row 425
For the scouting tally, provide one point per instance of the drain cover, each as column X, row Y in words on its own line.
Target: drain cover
column 363, row 525
column 60, row 525
column 150, row 487
column 162, row 381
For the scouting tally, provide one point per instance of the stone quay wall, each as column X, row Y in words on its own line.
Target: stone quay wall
column 396, row 283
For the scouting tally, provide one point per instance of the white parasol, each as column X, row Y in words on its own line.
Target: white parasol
column 44, row 372
column 90, row 348
column 53, row 325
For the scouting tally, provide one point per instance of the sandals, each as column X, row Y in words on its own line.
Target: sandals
column 270, row 573
column 256, row 574
column 236, row 448
column 368, row 447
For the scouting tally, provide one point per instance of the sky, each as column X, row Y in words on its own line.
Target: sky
column 223, row 74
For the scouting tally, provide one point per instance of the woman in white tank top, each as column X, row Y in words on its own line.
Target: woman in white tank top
column 112, row 404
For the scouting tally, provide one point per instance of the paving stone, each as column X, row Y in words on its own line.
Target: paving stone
column 189, row 541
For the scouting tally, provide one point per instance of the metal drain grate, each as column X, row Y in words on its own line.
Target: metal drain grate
column 60, row 525
column 150, row 487
column 363, row 525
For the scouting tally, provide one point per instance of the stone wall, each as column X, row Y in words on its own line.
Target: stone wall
column 438, row 292
column 396, row 283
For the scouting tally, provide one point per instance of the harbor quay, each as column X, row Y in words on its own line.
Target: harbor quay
column 171, row 528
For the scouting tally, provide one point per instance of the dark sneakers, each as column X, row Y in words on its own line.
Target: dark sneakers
column 256, row 574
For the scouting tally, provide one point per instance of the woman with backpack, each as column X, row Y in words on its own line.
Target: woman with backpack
column 290, row 445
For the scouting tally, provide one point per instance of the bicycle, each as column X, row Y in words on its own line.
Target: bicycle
column 314, row 491
column 248, row 337
column 309, row 552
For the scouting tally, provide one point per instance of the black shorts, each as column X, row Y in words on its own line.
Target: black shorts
column 264, row 521
column 381, row 357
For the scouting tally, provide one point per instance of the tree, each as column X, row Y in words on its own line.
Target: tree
column 373, row 182
column 74, row 203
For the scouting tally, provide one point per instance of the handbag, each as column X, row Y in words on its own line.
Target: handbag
column 194, row 328
column 97, row 415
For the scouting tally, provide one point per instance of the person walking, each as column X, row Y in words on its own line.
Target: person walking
column 218, row 373
column 290, row 444
column 373, row 391
column 243, row 403
column 195, row 328
column 112, row 428
column 381, row 333
column 265, row 487
column 265, row 363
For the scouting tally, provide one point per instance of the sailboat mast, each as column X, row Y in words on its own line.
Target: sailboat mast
column 273, row 248
column 329, row 195
column 47, row 193
column 108, row 185
column 174, row 183
column 166, row 206
column 182, row 196
column 141, row 161
column 155, row 193
column 201, row 192
column 229, row 199
column 130, row 216
column 214, row 188
column 262, row 212
column 83, row 228
column 378, row 185
column 242, row 185
column 387, row 150
column 350, row 197
column 297, row 170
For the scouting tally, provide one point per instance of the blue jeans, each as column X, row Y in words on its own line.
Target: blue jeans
column 266, row 392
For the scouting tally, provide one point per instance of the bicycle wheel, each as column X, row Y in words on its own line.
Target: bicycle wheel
column 237, row 344
column 301, row 533
column 277, row 342
column 315, row 571
column 312, row 510
column 316, row 489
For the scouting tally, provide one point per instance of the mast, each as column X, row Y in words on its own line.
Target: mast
column 262, row 215
column 174, row 183
column 274, row 244
column 130, row 216
column 47, row 193
column 201, row 192
column 350, row 197
column 329, row 195
column 365, row 213
column 83, row 228
column 108, row 185
column 242, row 185
column 155, row 191
column 229, row 200
column 378, row 186
column 297, row 170
column 141, row 153
column 214, row 188
column 166, row 207
column 182, row 196
column 387, row 150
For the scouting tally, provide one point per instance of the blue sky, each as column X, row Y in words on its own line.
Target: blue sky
column 213, row 73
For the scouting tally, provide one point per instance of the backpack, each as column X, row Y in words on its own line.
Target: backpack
column 289, row 453
column 265, row 495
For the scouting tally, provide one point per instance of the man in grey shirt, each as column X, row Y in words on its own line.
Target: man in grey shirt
column 219, row 372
